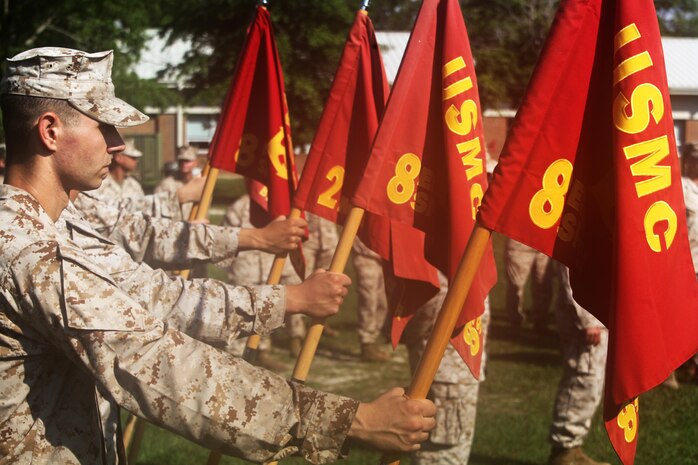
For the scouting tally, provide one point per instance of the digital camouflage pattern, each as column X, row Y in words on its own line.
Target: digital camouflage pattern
column 370, row 288
column 105, row 214
column 111, row 189
column 170, row 185
column 253, row 266
column 581, row 387
column 83, row 79
column 161, row 242
column 454, row 390
column 74, row 331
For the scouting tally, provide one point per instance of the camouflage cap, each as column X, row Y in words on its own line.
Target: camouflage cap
column 131, row 150
column 186, row 153
column 83, row 79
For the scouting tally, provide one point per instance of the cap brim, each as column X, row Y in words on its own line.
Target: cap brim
column 110, row 110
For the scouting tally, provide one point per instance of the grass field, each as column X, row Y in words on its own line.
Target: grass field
column 514, row 408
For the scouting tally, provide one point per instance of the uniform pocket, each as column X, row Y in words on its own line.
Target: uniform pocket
column 91, row 298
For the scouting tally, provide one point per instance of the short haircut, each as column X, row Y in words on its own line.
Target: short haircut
column 20, row 113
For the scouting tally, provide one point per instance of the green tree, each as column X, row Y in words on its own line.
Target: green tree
column 506, row 37
column 309, row 33
column 678, row 17
column 90, row 26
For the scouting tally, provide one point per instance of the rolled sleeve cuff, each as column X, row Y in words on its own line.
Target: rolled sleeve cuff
column 269, row 305
column 324, row 425
column 225, row 243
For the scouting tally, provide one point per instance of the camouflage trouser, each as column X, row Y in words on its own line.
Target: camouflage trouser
column 454, row 391
column 581, row 386
column 373, row 306
column 522, row 260
column 316, row 257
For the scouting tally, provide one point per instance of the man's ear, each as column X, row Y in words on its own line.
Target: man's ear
column 49, row 127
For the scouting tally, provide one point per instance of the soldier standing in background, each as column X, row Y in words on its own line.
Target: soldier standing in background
column 120, row 182
column 186, row 164
column 689, row 181
column 522, row 261
column 454, row 389
column 372, row 307
column 584, row 345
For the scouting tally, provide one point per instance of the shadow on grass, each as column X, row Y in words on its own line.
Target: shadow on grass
column 501, row 330
column 531, row 358
column 480, row 459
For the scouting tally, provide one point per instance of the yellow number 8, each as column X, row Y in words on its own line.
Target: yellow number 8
column 627, row 421
column 471, row 335
column 547, row 204
column 401, row 186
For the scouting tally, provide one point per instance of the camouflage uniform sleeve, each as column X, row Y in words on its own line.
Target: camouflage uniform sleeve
column 105, row 214
column 163, row 375
column 167, row 244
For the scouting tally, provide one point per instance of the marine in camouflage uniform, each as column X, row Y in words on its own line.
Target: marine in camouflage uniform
column 580, row 389
column 92, row 335
column 253, row 266
column 162, row 242
column 372, row 307
column 454, row 390
column 186, row 160
column 77, row 337
column 522, row 261
column 111, row 189
column 689, row 182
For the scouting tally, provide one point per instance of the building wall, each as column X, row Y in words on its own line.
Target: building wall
column 495, row 128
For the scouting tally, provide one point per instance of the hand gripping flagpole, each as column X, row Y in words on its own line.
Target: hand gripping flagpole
column 339, row 262
column 446, row 321
column 135, row 428
column 252, row 347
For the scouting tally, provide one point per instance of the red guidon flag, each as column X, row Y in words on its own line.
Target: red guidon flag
column 427, row 167
column 589, row 175
column 253, row 137
column 337, row 161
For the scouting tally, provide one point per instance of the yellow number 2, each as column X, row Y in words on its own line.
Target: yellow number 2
column 547, row 204
column 336, row 176
column 401, row 187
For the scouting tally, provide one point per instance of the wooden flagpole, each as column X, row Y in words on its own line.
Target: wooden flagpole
column 251, row 349
column 339, row 262
column 446, row 321
column 200, row 211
